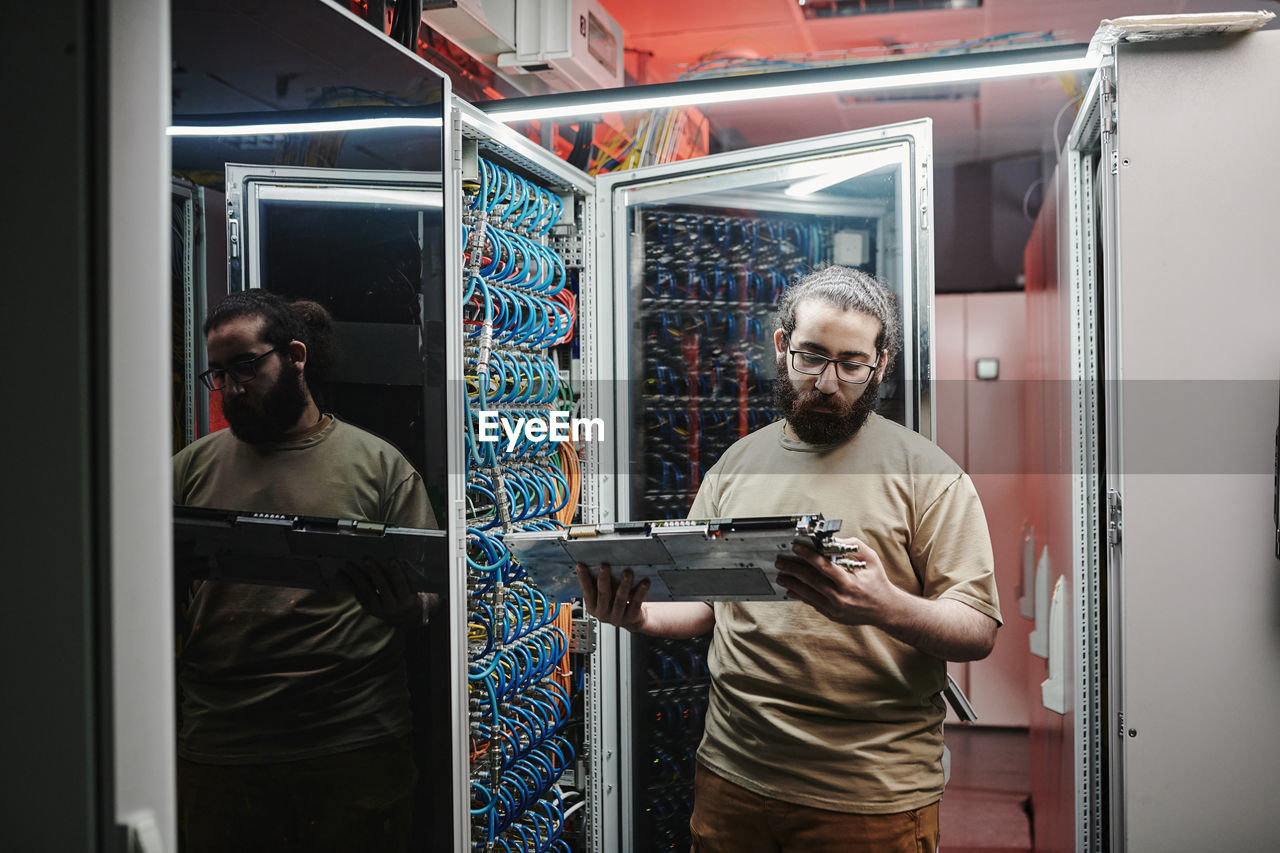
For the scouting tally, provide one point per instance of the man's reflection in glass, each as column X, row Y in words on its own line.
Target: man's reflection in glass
column 295, row 721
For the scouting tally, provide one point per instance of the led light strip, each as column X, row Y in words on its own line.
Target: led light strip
column 931, row 71
column 271, row 129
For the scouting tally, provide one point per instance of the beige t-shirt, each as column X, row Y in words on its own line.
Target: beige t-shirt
column 808, row 711
column 274, row 674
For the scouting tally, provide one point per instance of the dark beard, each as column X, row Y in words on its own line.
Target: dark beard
column 267, row 420
column 822, row 428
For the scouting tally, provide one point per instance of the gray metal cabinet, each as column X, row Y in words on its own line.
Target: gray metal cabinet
column 1177, row 630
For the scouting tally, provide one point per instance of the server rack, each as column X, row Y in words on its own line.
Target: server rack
column 367, row 245
column 527, row 280
column 1131, row 262
column 1162, row 276
column 643, row 702
column 573, row 773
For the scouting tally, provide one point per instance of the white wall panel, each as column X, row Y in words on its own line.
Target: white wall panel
column 1200, row 355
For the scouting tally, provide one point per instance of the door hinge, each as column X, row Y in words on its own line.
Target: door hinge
column 1108, row 101
column 455, row 138
column 924, row 196
column 1115, row 517
column 1109, row 115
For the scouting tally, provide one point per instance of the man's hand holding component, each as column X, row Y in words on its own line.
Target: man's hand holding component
column 851, row 588
column 618, row 602
column 622, row 603
column 385, row 593
column 863, row 595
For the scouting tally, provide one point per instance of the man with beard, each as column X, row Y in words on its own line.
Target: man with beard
column 824, row 730
column 295, row 720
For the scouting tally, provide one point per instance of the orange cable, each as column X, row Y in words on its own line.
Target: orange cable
column 564, row 673
column 571, row 467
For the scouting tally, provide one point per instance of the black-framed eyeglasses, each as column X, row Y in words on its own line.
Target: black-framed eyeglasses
column 853, row 372
column 241, row 371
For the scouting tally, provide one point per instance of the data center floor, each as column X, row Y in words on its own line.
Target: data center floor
column 985, row 807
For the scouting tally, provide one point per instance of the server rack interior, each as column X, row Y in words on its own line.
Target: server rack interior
column 528, row 784
column 702, row 377
column 706, row 314
column 671, row 701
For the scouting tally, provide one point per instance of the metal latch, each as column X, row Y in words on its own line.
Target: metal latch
column 1115, row 519
column 958, row 701
column 368, row 528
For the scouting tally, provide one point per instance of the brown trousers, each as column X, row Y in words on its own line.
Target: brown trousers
column 359, row 800
column 728, row 818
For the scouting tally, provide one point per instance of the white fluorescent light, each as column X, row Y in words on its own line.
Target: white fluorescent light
column 267, row 129
column 748, row 91
column 847, row 169
column 350, row 195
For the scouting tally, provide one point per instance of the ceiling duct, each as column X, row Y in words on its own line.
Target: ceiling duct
column 538, row 46
column 849, row 8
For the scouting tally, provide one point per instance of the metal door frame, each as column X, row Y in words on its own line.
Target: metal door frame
column 242, row 225
column 242, row 273
column 195, row 405
column 1081, row 231
column 596, row 499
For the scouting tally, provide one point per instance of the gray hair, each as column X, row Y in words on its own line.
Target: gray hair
column 847, row 289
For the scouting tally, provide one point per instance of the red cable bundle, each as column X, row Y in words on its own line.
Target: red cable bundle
column 566, row 298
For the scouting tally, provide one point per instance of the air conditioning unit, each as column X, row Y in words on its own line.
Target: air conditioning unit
column 485, row 29
column 569, row 44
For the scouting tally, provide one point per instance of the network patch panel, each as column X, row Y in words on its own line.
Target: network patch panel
column 519, row 306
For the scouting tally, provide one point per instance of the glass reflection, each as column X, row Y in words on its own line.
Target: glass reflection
column 307, row 154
